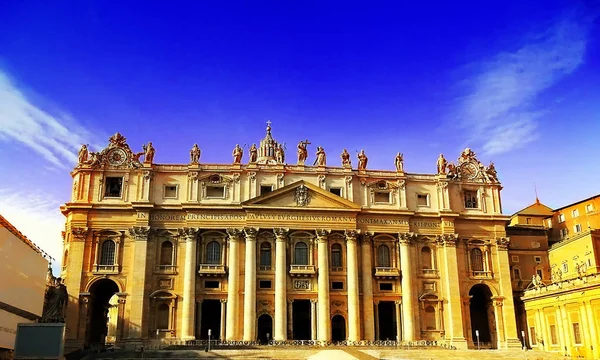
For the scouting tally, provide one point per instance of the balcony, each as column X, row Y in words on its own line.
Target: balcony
column 302, row 270
column 337, row 269
column 165, row 269
column 265, row 268
column 386, row 272
column 106, row 269
column 211, row 270
column 430, row 273
column 481, row 274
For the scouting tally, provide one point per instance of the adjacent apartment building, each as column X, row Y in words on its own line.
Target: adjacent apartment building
column 22, row 289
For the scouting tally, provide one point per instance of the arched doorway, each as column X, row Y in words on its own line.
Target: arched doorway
column 338, row 328
column 265, row 328
column 482, row 315
column 101, row 292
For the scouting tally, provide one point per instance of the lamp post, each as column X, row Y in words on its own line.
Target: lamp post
column 477, row 335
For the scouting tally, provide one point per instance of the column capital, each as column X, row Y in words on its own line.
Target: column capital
column 280, row 233
column 290, row 301
column 188, row 233
column 313, row 301
column 406, row 238
column 223, row 301
column 140, row 233
column 503, row 243
column 322, row 234
column 398, row 302
column 234, row 234
column 367, row 237
column 250, row 233
column 498, row 301
column 351, row 234
column 79, row 233
column 448, row 240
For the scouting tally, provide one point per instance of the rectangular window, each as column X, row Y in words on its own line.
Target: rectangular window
column 532, row 336
column 422, row 200
column 516, row 273
column 265, row 189
column 336, row 191
column 553, row 338
column 170, row 192
column 211, row 284
column 337, row 285
column 114, row 187
column 215, row 192
column 515, row 258
column 576, row 334
column 589, row 208
column 565, row 268
column 537, row 259
column 575, row 213
column 471, row 199
column 382, row 197
column 539, row 272
column 549, row 223
column 528, row 221
column 264, row 284
column 563, row 233
column 577, row 228
column 386, row 286
column 561, row 218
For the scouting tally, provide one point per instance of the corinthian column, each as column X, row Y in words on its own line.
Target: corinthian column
column 352, row 273
column 367, row 287
column 280, row 332
column 189, row 283
column 407, row 286
column 324, row 332
column 137, row 320
column 250, row 285
column 233, row 285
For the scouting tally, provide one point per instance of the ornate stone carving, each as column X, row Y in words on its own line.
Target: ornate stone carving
column 367, row 237
column 351, row 234
column 82, row 156
column 188, row 233
column 237, row 154
column 401, row 184
column 442, row 184
column 281, row 233
column 236, row 178
column 280, row 179
column 321, row 179
column 407, row 238
column 148, row 174
column 337, row 303
column 250, row 233
column 503, row 243
column 252, row 176
column 234, row 234
column 302, row 196
column 195, row 155
column 140, row 233
column 79, row 233
column 399, row 162
column 302, row 284
column 348, row 180
column 346, row 159
column 322, row 234
column 362, row 160
column 148, row 153
column 193, row 175
column 447, row 239
column 116, row 154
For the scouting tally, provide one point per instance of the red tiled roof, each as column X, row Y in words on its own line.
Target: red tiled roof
column 8, row 226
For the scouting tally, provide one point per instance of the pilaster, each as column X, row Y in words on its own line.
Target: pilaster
column 508, row 307
column 280, row 333
column 352, row 280
column 408, row 294
column 367, row 288
column 250, row 285
column 137, row 320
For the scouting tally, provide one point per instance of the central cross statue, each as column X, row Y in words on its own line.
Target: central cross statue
column 269, row 123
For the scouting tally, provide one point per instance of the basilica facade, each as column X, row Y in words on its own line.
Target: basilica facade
column 268, row 248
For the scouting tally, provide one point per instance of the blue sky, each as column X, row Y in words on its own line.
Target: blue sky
column 515, row 81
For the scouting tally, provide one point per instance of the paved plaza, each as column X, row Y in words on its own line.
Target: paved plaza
column 347, row 353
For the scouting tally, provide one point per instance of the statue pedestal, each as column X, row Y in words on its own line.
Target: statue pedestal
column 194, row 166
column 399, row 173
column 321, row 168
column 300, row 166
column 147, row 165
column 236, row 166
column 347, row 168
column 252, row 166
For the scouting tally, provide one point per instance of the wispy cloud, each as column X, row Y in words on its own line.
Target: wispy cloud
column 37, row 216
column 501, row 108
column 55, row 137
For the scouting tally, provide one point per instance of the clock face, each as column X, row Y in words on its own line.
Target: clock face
column 469, row 171
column 117, row 157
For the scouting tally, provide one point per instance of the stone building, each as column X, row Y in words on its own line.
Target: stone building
column 271, row 250
column 563, row 311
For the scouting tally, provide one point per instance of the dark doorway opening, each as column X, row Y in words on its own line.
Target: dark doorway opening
column 101, row 291
column 387, row 320
column 480, row 302
column 338, row 328
column 301, row 320
column 265, row 328
column 211, row 319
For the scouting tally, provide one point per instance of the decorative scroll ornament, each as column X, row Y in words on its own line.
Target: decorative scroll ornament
column 234, row 234
column 250, row 233
column 351, row 234
column 280, row 233
column 188, row 232
column 470, row 169
column 447, row 239
column 79, row 233
column 302, row 196
column 322, row 234
column 117, row 154
column 407, row 238
column 503, row 243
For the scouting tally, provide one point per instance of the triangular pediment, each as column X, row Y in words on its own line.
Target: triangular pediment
column 301, row 195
